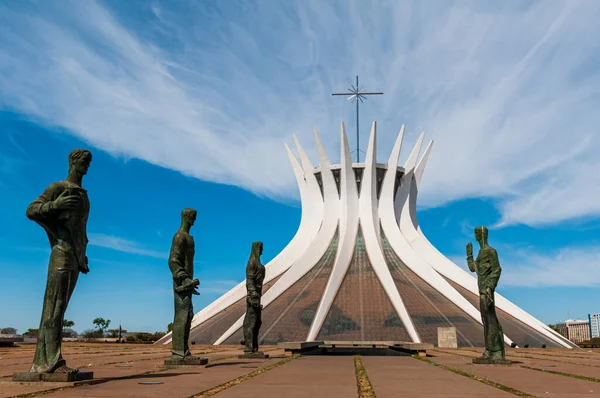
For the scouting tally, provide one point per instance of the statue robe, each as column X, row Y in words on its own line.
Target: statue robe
column 488, row 271
column 181, row 263
column 66, row 232
column 255, row 275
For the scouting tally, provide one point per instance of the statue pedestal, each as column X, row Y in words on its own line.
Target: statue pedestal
column 189, row 361
column 490, row 361
column 253, row 355
column 52, row 377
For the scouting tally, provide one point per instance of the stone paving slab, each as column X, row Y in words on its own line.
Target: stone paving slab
column 106, row 360
column 10, row 389
column 79, row 353
column 85, row 363
column 558, row 364
column 306, row 376
column 396, row 377
column 529, row 381
column 579, row 370
column 575, row 355
column 139, row 364
column 177, row 382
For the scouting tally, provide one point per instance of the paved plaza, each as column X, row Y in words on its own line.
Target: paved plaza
column 119, row 370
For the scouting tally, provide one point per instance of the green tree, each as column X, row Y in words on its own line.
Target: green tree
column 170, row 327
column 101, row 324
column 31, row 332
column 115, row 332
column 68, row 324
column 8, row 331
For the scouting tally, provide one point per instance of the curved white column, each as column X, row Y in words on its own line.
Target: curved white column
column 325, row 209
column 309, row 258
column 310, row 221
column 348, row 233
column 397, row 241
column 417, row 240
column 316, row 205
column 369, row 221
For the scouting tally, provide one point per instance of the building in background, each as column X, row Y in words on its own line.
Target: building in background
column 594, row 320
column 575, row 330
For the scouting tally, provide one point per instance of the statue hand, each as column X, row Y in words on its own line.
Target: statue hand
column 186, row 282
column 469, row 249
column 189, row 284
column 255, row 302
column 85, row 269
column 66, row 201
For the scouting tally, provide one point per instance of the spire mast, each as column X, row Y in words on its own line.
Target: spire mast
column 357, row 94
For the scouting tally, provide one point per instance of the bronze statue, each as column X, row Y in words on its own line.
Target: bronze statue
column 488, row 272
column 62, row 210
column 255, row 274
column 181, row 263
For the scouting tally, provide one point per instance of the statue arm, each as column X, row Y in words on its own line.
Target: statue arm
column 496, row 270
column 250, row 282
column 253, row 295
column 176, row 259
column 42, row 208
column 472, row 263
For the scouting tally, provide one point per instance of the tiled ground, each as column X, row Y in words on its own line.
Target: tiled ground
column 444, row 373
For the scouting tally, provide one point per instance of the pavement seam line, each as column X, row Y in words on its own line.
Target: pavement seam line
column 365, row 389
column 556, row 372
column 221, row 387
column 477, row 378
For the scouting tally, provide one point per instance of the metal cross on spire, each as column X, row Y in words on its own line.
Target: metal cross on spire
column 357, row 94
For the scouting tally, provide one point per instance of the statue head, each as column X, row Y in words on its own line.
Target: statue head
column 481, row 234
column 257, row 249
column 188, row 216
column 79, row 161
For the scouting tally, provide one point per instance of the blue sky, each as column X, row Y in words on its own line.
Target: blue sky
column 188, row 104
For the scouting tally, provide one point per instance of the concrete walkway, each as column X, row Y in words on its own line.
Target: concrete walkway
column 529, row 381
column 395, row 377
column 310, row 376
column 121, row 369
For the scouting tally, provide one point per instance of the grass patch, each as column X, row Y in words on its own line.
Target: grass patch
column 365, row 389
column 555, row 372
column 477, row 378
column 217, row 389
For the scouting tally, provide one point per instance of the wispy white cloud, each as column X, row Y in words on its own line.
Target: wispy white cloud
column 575, row 266
column 123, row 245
column 509, row 91
column 216, row 286
column 569, row 266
